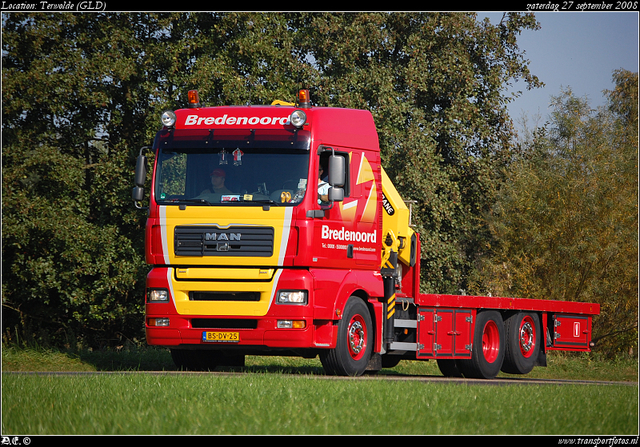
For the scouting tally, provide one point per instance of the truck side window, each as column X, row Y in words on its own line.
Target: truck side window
column 323, row 185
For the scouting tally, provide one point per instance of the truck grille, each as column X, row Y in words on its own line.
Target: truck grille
column 232, row 241
column 224, row 296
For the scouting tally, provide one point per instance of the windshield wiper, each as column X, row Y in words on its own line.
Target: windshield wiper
column 241, row 200
column 262, row 201
column 202, row 201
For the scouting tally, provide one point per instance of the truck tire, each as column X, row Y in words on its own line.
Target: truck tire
column 487, row 353
column 522, row 346
column 355, row 342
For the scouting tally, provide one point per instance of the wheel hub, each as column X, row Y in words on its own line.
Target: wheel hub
column 526, row 337
column 357, row 337
column 490, row 341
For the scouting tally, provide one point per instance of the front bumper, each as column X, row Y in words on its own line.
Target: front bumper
column 248, row 324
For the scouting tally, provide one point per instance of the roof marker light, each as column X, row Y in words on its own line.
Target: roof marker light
column 194, row 99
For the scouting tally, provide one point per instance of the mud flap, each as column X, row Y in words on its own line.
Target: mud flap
column 375, row 362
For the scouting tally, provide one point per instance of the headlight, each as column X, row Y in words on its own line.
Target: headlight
column 168, row 118
column 157, row 295
column 292, row 297
column 298, row 118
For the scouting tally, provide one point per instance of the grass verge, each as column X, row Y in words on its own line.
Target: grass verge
column 282, row 396
column 280, row 404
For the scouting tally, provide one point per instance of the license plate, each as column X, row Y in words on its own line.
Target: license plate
column 221, row 337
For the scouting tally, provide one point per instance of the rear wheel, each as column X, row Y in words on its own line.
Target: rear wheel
column 522, row 333
column 354, row 345
column 487, row 353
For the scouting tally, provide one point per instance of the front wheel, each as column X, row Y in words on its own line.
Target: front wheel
column 354, row 345
column 487, row 353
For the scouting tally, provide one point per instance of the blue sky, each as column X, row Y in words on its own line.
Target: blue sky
column 574, row 49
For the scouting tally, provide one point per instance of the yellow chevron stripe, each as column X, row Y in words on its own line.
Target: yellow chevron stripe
column 391, row 306
column 388, row 265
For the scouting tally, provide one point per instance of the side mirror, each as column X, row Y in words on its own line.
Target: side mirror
column 138, row 193
column 336, row 194
column 337, row 178
column 337, row 171
column 141, row 170
column 140, row 177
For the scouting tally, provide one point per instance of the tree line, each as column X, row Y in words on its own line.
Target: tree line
column 83, row 92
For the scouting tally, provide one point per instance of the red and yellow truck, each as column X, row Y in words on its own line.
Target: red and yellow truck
column 274, row 230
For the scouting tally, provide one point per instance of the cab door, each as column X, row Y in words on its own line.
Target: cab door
column 348, row 234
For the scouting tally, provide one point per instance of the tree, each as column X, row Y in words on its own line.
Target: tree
column 566, row 219
column 83, row 92
column 73, row 112
column 435, row 85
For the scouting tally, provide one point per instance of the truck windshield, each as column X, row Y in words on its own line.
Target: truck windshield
column 231, row 175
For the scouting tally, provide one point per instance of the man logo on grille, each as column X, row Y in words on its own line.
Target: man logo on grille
column 222, row 236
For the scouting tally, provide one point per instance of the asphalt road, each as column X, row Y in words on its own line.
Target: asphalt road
column 399, row 377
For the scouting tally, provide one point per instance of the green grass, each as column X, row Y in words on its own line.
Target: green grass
column 281, row 396
column 266, row 403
